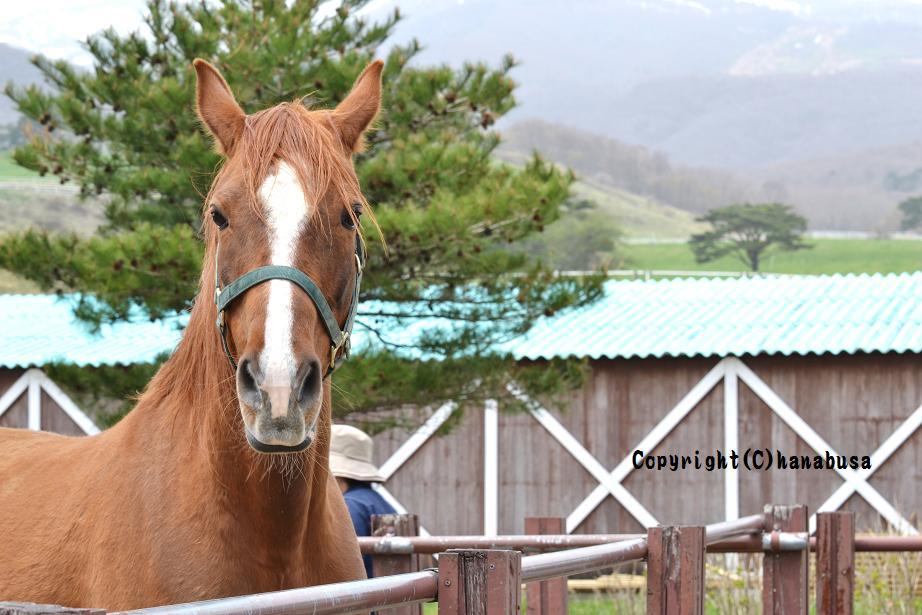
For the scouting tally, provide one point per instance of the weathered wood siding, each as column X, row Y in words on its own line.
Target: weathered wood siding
column 852, row 401
column 53, row 417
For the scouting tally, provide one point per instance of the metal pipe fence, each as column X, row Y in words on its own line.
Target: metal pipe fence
column 483, row 575
column 337, row 598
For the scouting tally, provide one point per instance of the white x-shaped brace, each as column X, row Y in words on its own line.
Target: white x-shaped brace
column 731, row 368
column 406, row 450
column 610, row 483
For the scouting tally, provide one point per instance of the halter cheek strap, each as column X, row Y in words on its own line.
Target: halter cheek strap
column 339, row 338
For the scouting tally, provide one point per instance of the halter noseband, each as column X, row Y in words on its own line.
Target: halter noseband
column 339, row 338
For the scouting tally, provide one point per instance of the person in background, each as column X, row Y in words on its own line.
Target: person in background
column 351, row 463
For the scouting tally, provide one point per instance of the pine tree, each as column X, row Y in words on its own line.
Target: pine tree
column 448, row 211
column 747, row 230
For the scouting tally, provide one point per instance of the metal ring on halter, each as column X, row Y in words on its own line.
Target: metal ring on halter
column 335, row 348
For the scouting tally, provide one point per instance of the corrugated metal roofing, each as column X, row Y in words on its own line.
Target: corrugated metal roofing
column 40, row 329
column 636, row 318
column 786, row 315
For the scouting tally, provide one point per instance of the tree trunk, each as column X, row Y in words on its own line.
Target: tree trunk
column 754, row 260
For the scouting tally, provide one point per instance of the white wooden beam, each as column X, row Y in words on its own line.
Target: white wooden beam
column 731, row 443
column 35, row 399
column 406, row 450
column 419, row 437
column 490, row 467
column 902, row 433
column 588, row 461
column 14, row 392
column 818, row 444
column 649, row 442
column 66, row 404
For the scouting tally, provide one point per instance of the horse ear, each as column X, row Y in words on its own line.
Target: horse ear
column 216, row 106
column 358, row 110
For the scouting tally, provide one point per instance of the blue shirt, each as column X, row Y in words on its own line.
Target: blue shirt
column 363, row 502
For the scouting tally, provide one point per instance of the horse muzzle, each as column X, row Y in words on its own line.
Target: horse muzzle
column 279, row 412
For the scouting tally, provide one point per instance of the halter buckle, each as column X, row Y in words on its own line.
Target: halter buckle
column 335, row 348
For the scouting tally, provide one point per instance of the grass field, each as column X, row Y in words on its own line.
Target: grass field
column 827, row 256
column 637, row 216
column 9, row 170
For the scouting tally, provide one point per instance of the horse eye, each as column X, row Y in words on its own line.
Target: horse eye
column 219, row 218
column 347, row 220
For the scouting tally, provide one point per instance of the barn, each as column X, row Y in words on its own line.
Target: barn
column 39, row 330
column 685, row 374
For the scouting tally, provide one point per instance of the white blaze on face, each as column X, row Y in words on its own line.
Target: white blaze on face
column 286, row 210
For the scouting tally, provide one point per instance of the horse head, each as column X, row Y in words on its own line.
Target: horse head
column 281, row 226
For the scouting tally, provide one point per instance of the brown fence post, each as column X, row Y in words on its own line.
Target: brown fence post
column 546, row 597
column 786, row 574
column 675, row 570
column 484, row 582
column 835, row 563
column 386, row 565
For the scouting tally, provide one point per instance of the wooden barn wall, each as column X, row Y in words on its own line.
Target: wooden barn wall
column 53, row 417
column 854, row 402
column 18, row 414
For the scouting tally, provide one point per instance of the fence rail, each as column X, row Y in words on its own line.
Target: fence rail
column 483, row 576
column 338, row 598
column 787, row 541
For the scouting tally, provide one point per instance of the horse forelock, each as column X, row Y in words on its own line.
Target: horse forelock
column 304, row 139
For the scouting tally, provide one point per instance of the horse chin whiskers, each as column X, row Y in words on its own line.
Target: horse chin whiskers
column 289, row 467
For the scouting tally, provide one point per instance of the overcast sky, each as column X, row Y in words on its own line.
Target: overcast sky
column 56, row 27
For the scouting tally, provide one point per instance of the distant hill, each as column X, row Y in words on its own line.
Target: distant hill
column 717, row 83
column 855, row 191
column 15, row 67
column 637, row 217
column 628, row 168
column 755, row 121
column 27, row 200
column 694, row 103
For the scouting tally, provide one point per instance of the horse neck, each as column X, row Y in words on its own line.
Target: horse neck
column 192, row 403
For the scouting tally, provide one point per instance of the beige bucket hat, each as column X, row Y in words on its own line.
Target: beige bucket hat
column 351, row 455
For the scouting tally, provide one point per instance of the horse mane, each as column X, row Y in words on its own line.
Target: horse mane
column 198, row 373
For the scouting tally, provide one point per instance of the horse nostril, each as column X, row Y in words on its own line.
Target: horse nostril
column 308, row 383
column 247, row 383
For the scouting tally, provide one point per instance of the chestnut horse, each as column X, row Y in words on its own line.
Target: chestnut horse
column 217, row 483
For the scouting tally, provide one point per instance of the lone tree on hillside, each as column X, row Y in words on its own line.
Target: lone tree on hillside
column 748, row 230
column 448, row 211
column 912, row 214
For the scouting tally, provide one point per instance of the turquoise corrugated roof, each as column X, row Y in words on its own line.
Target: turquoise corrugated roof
column 682, row 317
column 674, row 317
column 40, row 329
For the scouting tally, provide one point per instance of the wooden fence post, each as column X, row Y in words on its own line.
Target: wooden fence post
column 675, row 570
column 386, row 565
column 786, row 574
column 486, row 582
column 835, row 563
column 546, row 597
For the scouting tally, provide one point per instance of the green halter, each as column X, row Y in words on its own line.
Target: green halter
column 339, row 338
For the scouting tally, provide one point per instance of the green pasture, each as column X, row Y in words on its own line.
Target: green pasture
column 826, row 256
column 9, row 170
